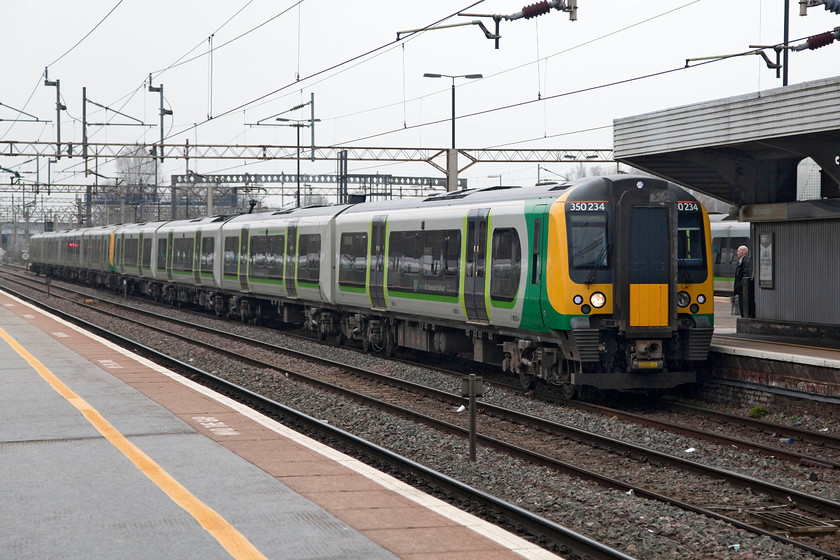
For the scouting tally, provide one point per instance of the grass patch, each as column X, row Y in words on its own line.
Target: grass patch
column 758, row 411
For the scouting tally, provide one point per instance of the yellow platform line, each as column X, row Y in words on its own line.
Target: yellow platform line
column 231, row 540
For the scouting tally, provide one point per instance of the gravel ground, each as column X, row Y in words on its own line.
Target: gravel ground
column 640, row 528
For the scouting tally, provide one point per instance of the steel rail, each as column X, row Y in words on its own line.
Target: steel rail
column 806, row 501
column 549, row 534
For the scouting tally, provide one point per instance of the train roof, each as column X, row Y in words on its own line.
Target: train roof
column 589, row 188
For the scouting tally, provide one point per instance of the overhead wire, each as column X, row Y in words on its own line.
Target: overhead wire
column 200, row 43
column 337, row 65
column 526, row 64
column 545, row 98
column 28, row 100
column 506, row 107
column 359, row 57
column 517, row 67
column 194, row 126
column 95, row 27
column 157, row 73
column 129, row 96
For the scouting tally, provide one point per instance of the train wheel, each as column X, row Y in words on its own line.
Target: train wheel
column 568, row 389
column 340, row 338
column 527, row 381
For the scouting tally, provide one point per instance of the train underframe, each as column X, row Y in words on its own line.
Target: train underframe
column 602, row 358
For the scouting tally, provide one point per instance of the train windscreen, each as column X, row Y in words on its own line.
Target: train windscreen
column 588, row 233
column 691, row 247
column 588, row 247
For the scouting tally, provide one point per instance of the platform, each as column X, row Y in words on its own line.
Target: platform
column 106, row 455
column 785, row 365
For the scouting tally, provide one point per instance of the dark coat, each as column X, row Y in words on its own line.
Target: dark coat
column 742, row 271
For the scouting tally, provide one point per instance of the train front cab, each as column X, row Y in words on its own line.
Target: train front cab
column 630, row 291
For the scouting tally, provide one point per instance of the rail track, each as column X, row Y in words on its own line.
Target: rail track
column 509, row 428
column 518, row 520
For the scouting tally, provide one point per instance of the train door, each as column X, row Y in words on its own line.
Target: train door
column 536, row 281
column 290, row 272
column 140, row 255
column 197, row 257
column 170, row 239
column 377, row 261
column 475, row 272
column 648, row 261
column 243, row 258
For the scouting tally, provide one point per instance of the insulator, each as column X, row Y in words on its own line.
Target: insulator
column 544, row 7
column 832, row 5
column 821, row 40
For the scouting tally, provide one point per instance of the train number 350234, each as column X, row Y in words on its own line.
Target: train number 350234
column 586, row 206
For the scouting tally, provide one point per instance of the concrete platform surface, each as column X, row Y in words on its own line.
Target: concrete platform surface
column 106, row 455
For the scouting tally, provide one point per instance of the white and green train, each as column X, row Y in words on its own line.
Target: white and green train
column 604, row 282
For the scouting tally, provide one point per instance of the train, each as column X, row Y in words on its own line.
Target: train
column 727, row 236
column 603, row 282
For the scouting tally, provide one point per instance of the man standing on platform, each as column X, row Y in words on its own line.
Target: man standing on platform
column 743, row 272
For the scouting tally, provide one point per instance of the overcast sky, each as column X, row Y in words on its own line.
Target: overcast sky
column 369, row 89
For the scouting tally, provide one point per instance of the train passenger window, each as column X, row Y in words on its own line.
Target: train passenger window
column 147, row 253
column 231, row 262
column 309, row 258
column 424, row 262
column 266, row 258
column 129, row 251
column 182, row 254
column 161, row 253
column 208, row 255
column 506, row 263
column 405, row 252
column 352, row 266
column 717, row 245
column 451, row 254
column 72, row 250
column 588, row 239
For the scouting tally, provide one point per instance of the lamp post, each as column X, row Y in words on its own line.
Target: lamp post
column 466, row 76
column 298, row 124
column 452, row 153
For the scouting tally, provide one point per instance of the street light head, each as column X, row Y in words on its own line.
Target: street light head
column 428, row 75
column 474, row 76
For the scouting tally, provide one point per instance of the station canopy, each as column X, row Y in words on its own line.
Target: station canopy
column 744, row 150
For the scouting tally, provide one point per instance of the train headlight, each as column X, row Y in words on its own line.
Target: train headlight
column 683, row 299
column 694, row 308
column 701, row 299
column 578, row 299
column 597, row 300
